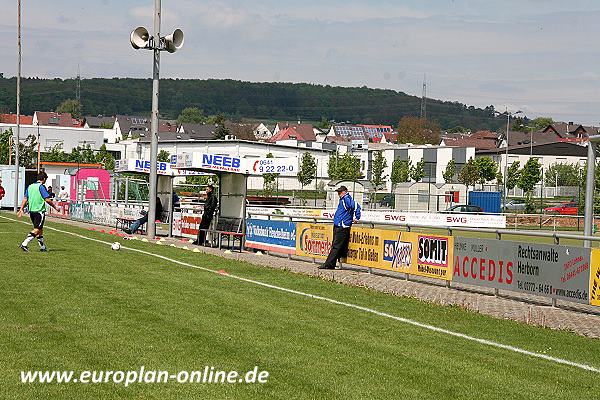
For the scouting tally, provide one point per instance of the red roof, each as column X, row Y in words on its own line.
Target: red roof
column 56, row 119
column 302, row 132
column 12, row 119
column 390, row 137
column 485, row 135
column 479, row 144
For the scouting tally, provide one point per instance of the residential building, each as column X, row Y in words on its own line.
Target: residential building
column 301, row 132
column 127, row 126
column 262, row 132
column 12, row 119
column 67, row 137
column 375, row 133
column 107, row 124
column 546, row 153
column 481, row 140
column 50, row 118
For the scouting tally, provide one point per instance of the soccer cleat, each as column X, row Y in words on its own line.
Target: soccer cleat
column 44, row 250
column 25, row 249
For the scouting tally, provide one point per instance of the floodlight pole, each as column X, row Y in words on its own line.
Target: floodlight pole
column 17, row 141
column 590, row 190
column 151, row 224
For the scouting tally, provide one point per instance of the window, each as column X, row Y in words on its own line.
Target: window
column 50, row 143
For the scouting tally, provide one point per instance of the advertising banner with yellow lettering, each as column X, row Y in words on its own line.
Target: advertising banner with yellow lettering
column 595, row 278
column 393, row 250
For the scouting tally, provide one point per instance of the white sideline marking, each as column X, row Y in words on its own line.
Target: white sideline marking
column 349, row 305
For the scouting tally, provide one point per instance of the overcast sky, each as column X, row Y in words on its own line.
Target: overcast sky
column 540, row 56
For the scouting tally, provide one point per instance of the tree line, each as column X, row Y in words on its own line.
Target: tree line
column 237, row 99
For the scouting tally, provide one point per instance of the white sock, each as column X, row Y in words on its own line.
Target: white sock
column 41, row 242
column 28, row 239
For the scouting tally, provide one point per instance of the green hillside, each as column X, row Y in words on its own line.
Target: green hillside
column 278, row 101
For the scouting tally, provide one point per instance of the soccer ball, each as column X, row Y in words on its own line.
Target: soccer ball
column 116, row 246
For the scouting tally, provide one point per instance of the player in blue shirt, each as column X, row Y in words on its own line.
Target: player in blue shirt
column 348, row 211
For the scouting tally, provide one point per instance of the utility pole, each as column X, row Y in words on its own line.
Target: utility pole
column 424, row 98
column 78, row 89
column 17, row 141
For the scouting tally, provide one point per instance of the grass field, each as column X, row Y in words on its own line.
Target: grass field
column 82, row 306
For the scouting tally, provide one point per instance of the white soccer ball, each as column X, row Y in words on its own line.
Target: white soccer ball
column 116, row 246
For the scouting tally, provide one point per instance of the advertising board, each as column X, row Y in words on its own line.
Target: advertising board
column 279, row 236
column 555, row 271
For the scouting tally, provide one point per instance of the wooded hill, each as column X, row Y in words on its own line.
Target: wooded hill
column 237, row 99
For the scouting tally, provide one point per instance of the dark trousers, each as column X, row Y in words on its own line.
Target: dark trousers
column 204, row 225
column 339, row 247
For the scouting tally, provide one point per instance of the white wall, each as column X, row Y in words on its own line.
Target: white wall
column 51, row 135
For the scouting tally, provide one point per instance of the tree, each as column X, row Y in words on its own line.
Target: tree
column 346, row 167
column 486, row 169
column 28, row 152
column 468, row 174
column 164, row 156
column 512, row 175
column 378, row 167
column 5, row 150
column 499, row 178
column 56, row 154
column 559, row 174
column 105, row 158
column 583, row 180
column 75, row 155
column 221, row 130
column 418, row 171
column 538, row 124
column 450, row 172
column 458, row 129
column 308, row 169
column 400, row 171
column 70, row 106
column 325, row 124
column 269, row 180
column 87, row 155
column 191, row 115
column 531, row 173
column 332, row 165
column 418, row 131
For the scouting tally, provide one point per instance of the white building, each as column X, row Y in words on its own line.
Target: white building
column 436, row 159
column 50, row 136
column 546, row 153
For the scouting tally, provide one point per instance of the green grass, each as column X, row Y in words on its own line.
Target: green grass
column 84, row 307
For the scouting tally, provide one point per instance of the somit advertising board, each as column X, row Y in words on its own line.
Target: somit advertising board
column 555, row 271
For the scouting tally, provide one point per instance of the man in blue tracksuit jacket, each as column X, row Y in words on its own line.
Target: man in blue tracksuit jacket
column 348, row 211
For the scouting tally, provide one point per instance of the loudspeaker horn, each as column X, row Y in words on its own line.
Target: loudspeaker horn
column 140, row 38
column 174, row 41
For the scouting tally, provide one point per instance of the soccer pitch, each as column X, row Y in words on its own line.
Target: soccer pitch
column 83, row 307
